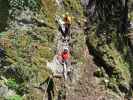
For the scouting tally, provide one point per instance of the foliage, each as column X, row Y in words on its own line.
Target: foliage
column 73, row 6
column 99, row 72
column 17, row 86
column 16, row 97
column 27, row 57
column 107, row 42
column 2, row 33
column 11, row 83
column 32, row 4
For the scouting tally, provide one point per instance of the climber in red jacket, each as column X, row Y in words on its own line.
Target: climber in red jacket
column 65, row 56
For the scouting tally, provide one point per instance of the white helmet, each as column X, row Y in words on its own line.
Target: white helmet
column 66, row 49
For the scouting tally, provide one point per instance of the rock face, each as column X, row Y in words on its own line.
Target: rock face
column 29, row 39
column 85, row 2
column 106, row 41
column 131, row 25
column 23, row 20
column 3, row 91
column 23, row 45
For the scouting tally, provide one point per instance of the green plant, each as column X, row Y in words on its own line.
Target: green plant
column 2, row 33
column 73, row 5
column 20, row 88
column 16, row 97
column 11, row 83
column 32, row 4
column 99, row 73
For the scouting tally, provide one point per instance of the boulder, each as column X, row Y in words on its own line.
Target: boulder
column 3, row 91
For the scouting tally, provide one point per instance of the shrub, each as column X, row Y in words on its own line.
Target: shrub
column 11, row 83
column 32, row 4
column 16, row 97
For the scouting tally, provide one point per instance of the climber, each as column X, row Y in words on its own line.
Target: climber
column 67, row 23
column 65, row 56
column 50, row 87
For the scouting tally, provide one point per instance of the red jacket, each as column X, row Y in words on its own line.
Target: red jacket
column 65, row 56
